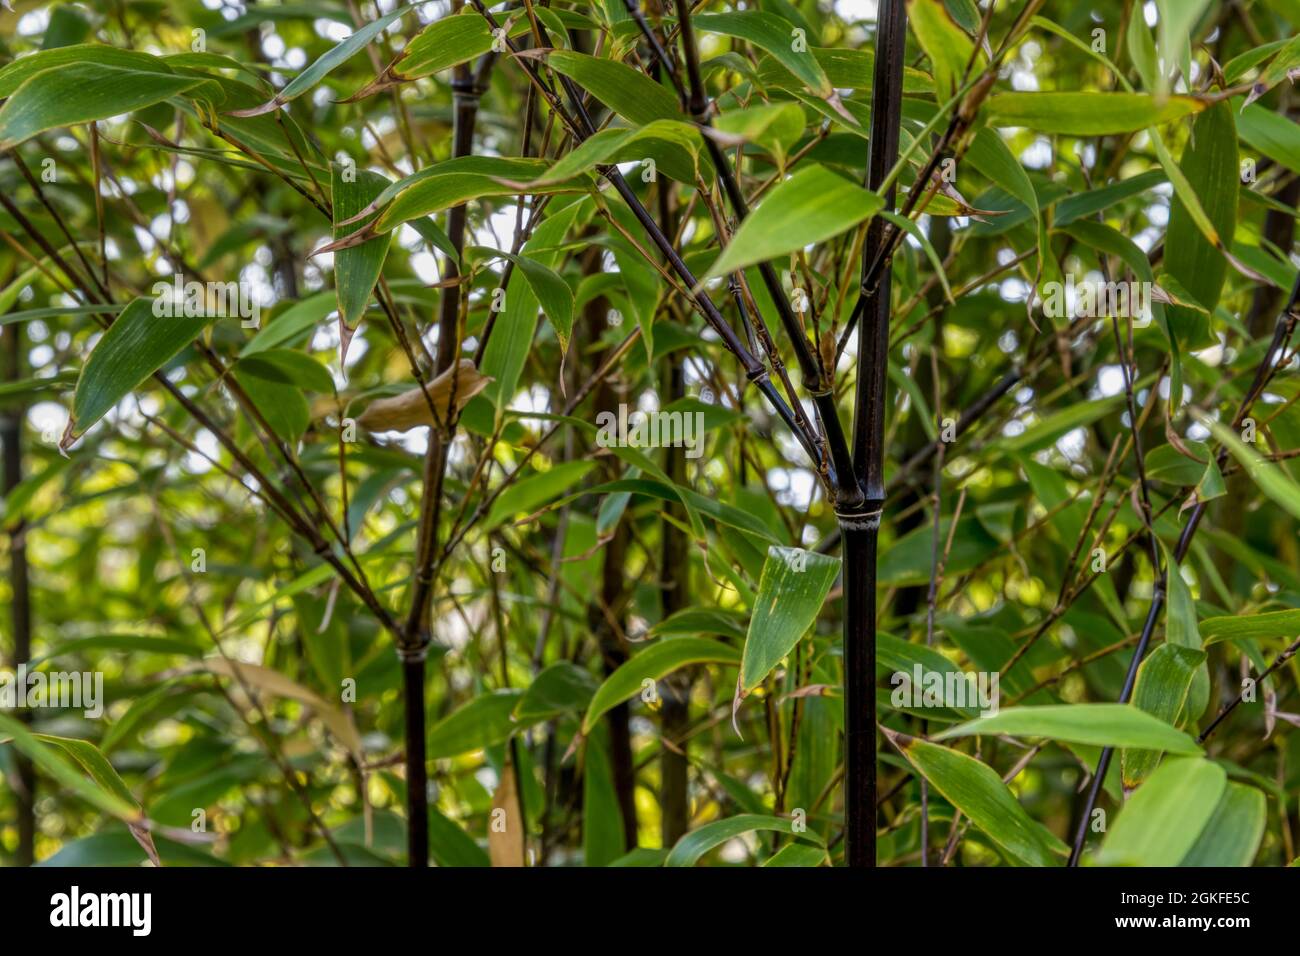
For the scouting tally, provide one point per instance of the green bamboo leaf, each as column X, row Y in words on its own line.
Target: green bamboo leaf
column 551, row 291
column 1233, row 835
column 134, row 643
column 16, row 72
column 1210, row 166
column 294, row 321
column 1043, row 433
column 444, row 43
column 602, row 817
column 449, row 845
column 1086, row 114
column 1163, row 681
column 486, row 720
column 82, row 93
column 529, row 494
column 512, row 336
column 690, row 848
column 1174, row 27
column 899, row 657
column 775, row 127
column 1183, row 189
column 1101, row 725
column 1237, row 68
column 323, row 66
column 628, row 92
column 49, row 761
column 284, row 406
column 94, row 763
column 288, row 367
column 948, row 46
column 1271, row 479
column 1180, row 618
column 454, row 183
column 656, row 661
column 812, row 205
column 846, row 70
column 356, row 268
column 977, row 791
column 791, row 591
column 774, row 36
column 798, row 854
column 1273, row 134
column 133, row 348
column 1086, row 204
column 674, row 145
column 560, row 688
column 1164, row 818
column 1286, row 61
column 1252, row 627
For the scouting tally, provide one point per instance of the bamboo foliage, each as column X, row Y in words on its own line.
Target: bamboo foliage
column 586, row 433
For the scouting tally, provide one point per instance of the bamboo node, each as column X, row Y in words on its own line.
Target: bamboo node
column 859, row 517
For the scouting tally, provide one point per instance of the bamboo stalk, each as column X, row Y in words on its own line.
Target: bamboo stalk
column 860, row 525
column 20, row 614
column 467, row 87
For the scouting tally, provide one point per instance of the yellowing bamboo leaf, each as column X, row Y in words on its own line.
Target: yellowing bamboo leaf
column 454, row 387
column 506, row 826
column 273, row 682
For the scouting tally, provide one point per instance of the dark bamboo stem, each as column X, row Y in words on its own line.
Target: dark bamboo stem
column 20, row 616
column 860, row 525
column 467, row 88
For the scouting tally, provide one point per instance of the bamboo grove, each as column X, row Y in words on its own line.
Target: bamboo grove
column 549, row 433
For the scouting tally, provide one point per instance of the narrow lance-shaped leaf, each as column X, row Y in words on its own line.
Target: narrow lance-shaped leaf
column 50, row 762
column 485, row 720
column 947, row 45
column 1086, row 114
column 552, row 292
column 1271, row 479
column 791, row 590
column 137, row 344
column 656, row 661
column 1233, row 835
column 1209, row 164
column 356, row 268
column 339, row 55
column 16, row 72
column 1163, row 681
column 628, row 92
column 694, row 845
column 444, row 43
column 812, row 205
column 977, row 791
column 773, row 35
column 1102, row 725
column 82, row 93
column 1165, row 816
column 1251, row 626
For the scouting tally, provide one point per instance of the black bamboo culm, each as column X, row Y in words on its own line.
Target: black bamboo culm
column 467, row 87
column 1282, row 332
column 860, row 524
column 20, row 614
